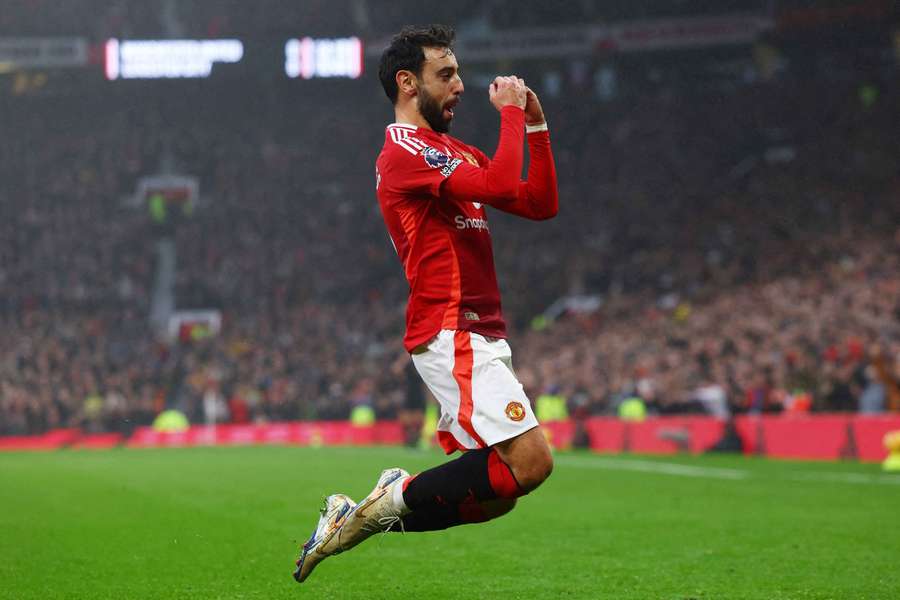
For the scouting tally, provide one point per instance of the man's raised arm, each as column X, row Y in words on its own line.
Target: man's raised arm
column 498, row 184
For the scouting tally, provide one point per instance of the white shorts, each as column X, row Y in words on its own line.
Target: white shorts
column 482, row 402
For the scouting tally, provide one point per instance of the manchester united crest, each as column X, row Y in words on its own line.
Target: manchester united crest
column 515, row 411
column 470, row 159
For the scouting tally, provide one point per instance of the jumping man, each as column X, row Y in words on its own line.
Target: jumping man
column 432, row 189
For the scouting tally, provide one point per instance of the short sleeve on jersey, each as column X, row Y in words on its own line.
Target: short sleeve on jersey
column 415, row 167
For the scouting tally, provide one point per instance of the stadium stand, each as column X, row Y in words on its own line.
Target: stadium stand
column 738, row 245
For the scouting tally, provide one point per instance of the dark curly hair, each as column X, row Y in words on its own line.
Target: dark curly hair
column 405, row 53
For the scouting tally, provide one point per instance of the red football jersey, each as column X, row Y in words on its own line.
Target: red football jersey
column 432, row 189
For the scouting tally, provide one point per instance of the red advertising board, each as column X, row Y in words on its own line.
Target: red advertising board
column 868, row 433
column 817, row 437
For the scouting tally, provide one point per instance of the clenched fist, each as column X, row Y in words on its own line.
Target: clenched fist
column 507, row 91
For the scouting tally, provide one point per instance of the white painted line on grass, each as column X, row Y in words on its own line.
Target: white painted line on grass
column 831, row 476
column 649, row 466
column 681, row 470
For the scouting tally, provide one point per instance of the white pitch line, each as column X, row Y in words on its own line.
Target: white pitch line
column 649, row 466
column 826, row 476
column 680, row 470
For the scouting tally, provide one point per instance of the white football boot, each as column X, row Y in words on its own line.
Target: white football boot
column 323, row 541
column 377, row 513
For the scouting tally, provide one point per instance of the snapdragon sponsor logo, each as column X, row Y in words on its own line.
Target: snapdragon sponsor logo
column 463, row 222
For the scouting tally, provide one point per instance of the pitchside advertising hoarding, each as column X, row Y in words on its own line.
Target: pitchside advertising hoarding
column 302, row 58
column 807, row 437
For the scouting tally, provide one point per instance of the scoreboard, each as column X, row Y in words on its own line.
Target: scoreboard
column 304, row 58
column 309, row 58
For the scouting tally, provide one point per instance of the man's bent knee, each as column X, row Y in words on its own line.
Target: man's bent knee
column 528, row 457
column 534, row 472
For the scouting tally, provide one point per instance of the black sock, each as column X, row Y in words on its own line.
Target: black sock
column 476, row 476
column 436, row 518
column 430, row 519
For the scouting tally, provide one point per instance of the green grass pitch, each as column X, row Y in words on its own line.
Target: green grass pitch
column 227, row 523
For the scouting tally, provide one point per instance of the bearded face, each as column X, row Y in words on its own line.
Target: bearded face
column 438, row 115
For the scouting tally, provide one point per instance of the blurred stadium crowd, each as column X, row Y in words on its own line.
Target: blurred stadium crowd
column 719, row 251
